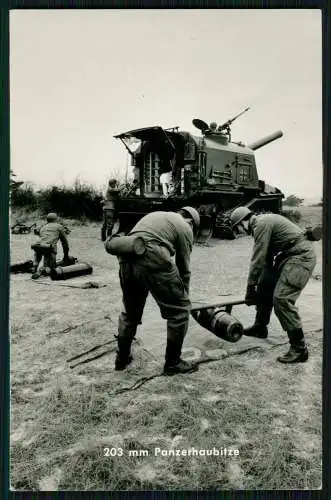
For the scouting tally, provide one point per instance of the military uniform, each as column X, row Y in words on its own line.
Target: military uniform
column 50, row 234
column 109, row 211
column 282, row 263
column 166, row 235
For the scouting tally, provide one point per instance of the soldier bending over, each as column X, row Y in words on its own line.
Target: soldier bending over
column 282, row 263
column 165, row 234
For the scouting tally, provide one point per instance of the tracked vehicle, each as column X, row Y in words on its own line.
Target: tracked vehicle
column 209, row 172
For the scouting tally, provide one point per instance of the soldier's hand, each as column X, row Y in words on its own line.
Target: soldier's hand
column 251, row 298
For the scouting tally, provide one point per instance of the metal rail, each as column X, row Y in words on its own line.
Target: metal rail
column 226, row 303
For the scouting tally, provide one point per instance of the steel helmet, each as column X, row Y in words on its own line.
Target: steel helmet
column 51, row 217
column 239, row 214
column 194, row 214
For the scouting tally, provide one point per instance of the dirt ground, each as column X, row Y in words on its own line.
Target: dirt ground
column 52, row 322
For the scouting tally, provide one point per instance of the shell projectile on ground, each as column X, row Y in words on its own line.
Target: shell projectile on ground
column 210, row 172
column 71, row 271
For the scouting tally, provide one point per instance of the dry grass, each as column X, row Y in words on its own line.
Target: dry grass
column 273, row 424
column 62, row 419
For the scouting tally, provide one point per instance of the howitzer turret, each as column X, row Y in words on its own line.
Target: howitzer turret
column 265, row 140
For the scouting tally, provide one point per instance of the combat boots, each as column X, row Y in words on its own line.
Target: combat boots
column 173, row 363
column 298, row 352
column 257, row 330
column 262, row 318
column 123, row 355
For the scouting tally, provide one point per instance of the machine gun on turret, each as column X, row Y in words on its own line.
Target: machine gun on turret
column 226, row 127
column 214, row 129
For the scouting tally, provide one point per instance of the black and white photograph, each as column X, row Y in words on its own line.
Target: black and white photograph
column 166, row 244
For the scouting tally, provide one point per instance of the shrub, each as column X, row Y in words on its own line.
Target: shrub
column 292, row 215
column 293, row 201
column 14, row 184
column 24, row 196
column 78, row 201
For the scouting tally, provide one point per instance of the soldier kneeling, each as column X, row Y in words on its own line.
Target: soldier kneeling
column 46, row 247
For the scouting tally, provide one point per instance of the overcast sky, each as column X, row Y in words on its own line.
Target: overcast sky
column 80, row 76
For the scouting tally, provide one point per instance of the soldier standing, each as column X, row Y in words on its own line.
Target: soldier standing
column 109, row 208
column 165, row 234
column 281, row 264
column 46, row 247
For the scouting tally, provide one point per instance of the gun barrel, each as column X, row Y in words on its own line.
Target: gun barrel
column 265, row 140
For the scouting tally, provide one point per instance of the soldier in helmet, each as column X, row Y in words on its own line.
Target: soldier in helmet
column 281, row 264
column 46, row 247
column 165, row 234
column 213, row 127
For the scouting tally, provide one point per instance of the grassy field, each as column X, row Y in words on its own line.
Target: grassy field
column 310, row 216
column 66, row 413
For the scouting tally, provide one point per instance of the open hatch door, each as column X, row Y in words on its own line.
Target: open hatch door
column 145, row 134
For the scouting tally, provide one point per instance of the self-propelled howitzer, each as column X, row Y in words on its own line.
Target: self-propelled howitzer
column 209, row 172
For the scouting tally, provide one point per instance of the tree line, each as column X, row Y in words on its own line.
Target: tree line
column 78, row 201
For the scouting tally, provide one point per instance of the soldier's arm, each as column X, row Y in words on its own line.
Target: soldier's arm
column 183, row 257
column 262, row 235
column 64, row 241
